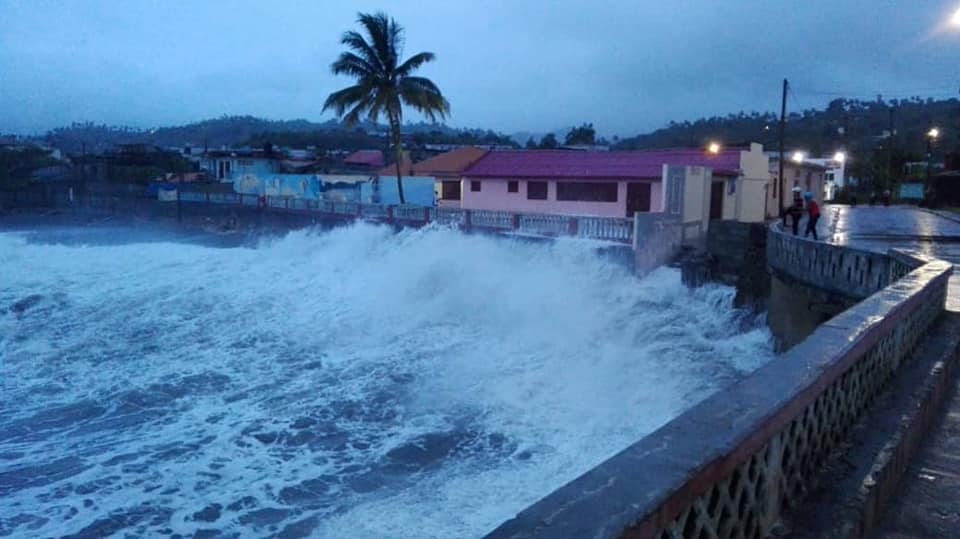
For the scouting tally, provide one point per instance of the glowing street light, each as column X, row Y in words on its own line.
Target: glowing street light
column 933, row 133
column 714, row 148
column 839, row 157
column 797, row 157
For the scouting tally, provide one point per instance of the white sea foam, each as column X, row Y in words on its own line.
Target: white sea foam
column 350, row 383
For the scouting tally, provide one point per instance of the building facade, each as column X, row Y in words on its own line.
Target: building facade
column 807, row 175
column 606, row 184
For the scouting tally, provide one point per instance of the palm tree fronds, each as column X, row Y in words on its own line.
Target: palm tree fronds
column 424, row 96
column 351, row 64
column 341, row 100
column 383, row 32
column 414, row 62
column 357, row 42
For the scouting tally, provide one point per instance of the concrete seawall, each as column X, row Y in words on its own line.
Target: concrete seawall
column 731, row 465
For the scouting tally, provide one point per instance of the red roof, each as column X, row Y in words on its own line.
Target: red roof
column 597, row 165
column 450, row 163
column 370, row 158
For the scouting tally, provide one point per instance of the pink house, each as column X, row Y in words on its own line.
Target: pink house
column 607, row 184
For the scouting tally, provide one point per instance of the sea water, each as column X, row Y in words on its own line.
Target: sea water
column 348, row 383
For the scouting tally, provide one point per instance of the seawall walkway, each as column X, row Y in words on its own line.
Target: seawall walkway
column 927, row 502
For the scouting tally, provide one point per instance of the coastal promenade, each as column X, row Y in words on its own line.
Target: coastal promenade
column 926, row 503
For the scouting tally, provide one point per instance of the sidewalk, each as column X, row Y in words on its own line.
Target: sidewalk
column 927, row 504
column 928, row 501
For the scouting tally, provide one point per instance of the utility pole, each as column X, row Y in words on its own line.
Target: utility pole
column 783, row 127
column 890, row 153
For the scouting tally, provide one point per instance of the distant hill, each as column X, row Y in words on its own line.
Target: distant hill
column 233, row 131
column 846, row 124
column 879, row 137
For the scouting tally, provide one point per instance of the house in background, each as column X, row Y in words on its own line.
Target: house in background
column 363, row 161
column 611, row 184
column 231, row 165
column 446, row 170
column 806, row 175
column 835, row 177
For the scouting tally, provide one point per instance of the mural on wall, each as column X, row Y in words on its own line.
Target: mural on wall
column 418, row 190
column 300, row 186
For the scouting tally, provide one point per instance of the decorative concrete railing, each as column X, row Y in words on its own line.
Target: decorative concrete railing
column 492, row 219
column 547, row 225
column 603, row 227
column 612, row 229
column 449, row 216
column 844, row 270
column 730, row 465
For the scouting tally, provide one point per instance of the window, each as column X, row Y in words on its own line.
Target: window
column 731, row 186
column 513, row 186
column 475, row 185
column 587, row 191
column 450, row 190
column 536, row 190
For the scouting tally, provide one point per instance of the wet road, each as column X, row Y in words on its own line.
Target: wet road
column 912, row 229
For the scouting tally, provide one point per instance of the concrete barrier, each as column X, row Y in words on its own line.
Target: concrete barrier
column 730, row 465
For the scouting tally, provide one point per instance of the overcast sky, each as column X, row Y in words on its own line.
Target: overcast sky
column 537, row 65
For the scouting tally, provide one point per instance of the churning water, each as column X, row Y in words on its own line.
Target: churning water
column 349, row 383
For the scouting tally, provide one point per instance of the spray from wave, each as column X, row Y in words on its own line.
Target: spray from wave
column 354, row 382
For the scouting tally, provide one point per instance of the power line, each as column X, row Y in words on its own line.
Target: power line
column 934, row 92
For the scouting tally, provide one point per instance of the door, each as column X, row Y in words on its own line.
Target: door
column 716, row 200
column 638, row 198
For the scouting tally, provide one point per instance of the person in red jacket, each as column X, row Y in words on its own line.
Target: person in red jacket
column 813, row 215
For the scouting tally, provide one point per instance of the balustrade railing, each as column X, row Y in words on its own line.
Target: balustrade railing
column 605, row 228
column 492, row 219
column 374, row 211
column 411, row 213
column 546, row 225
column 551, row 225
column 449, row 216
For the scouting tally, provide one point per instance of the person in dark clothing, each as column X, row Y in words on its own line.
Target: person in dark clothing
column 795, row 211
column 813, row 215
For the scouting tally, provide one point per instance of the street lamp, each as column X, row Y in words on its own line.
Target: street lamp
column 931, row 138
column 839, row 157
column 714, row 147
column 797, row 157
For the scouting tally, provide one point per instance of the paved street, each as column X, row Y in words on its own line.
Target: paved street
column 928, row 503
column 900, row 227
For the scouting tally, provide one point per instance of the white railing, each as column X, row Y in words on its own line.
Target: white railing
column 411, row 213
column 491, row 219
column 375, row 211
column 605, row 228
column 345, row 208
column 551, row 225
column 449, row 216
column 545, row 224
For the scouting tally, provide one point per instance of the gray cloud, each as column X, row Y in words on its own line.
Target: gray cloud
column 509, row 65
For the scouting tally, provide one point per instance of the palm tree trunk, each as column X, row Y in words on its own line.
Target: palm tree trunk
column 397, row 153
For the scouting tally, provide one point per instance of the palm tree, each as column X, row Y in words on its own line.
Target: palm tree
column 383, row 83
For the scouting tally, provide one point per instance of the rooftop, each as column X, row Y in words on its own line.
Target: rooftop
column 452, row 162
column 370, row 158
column 597, row 165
